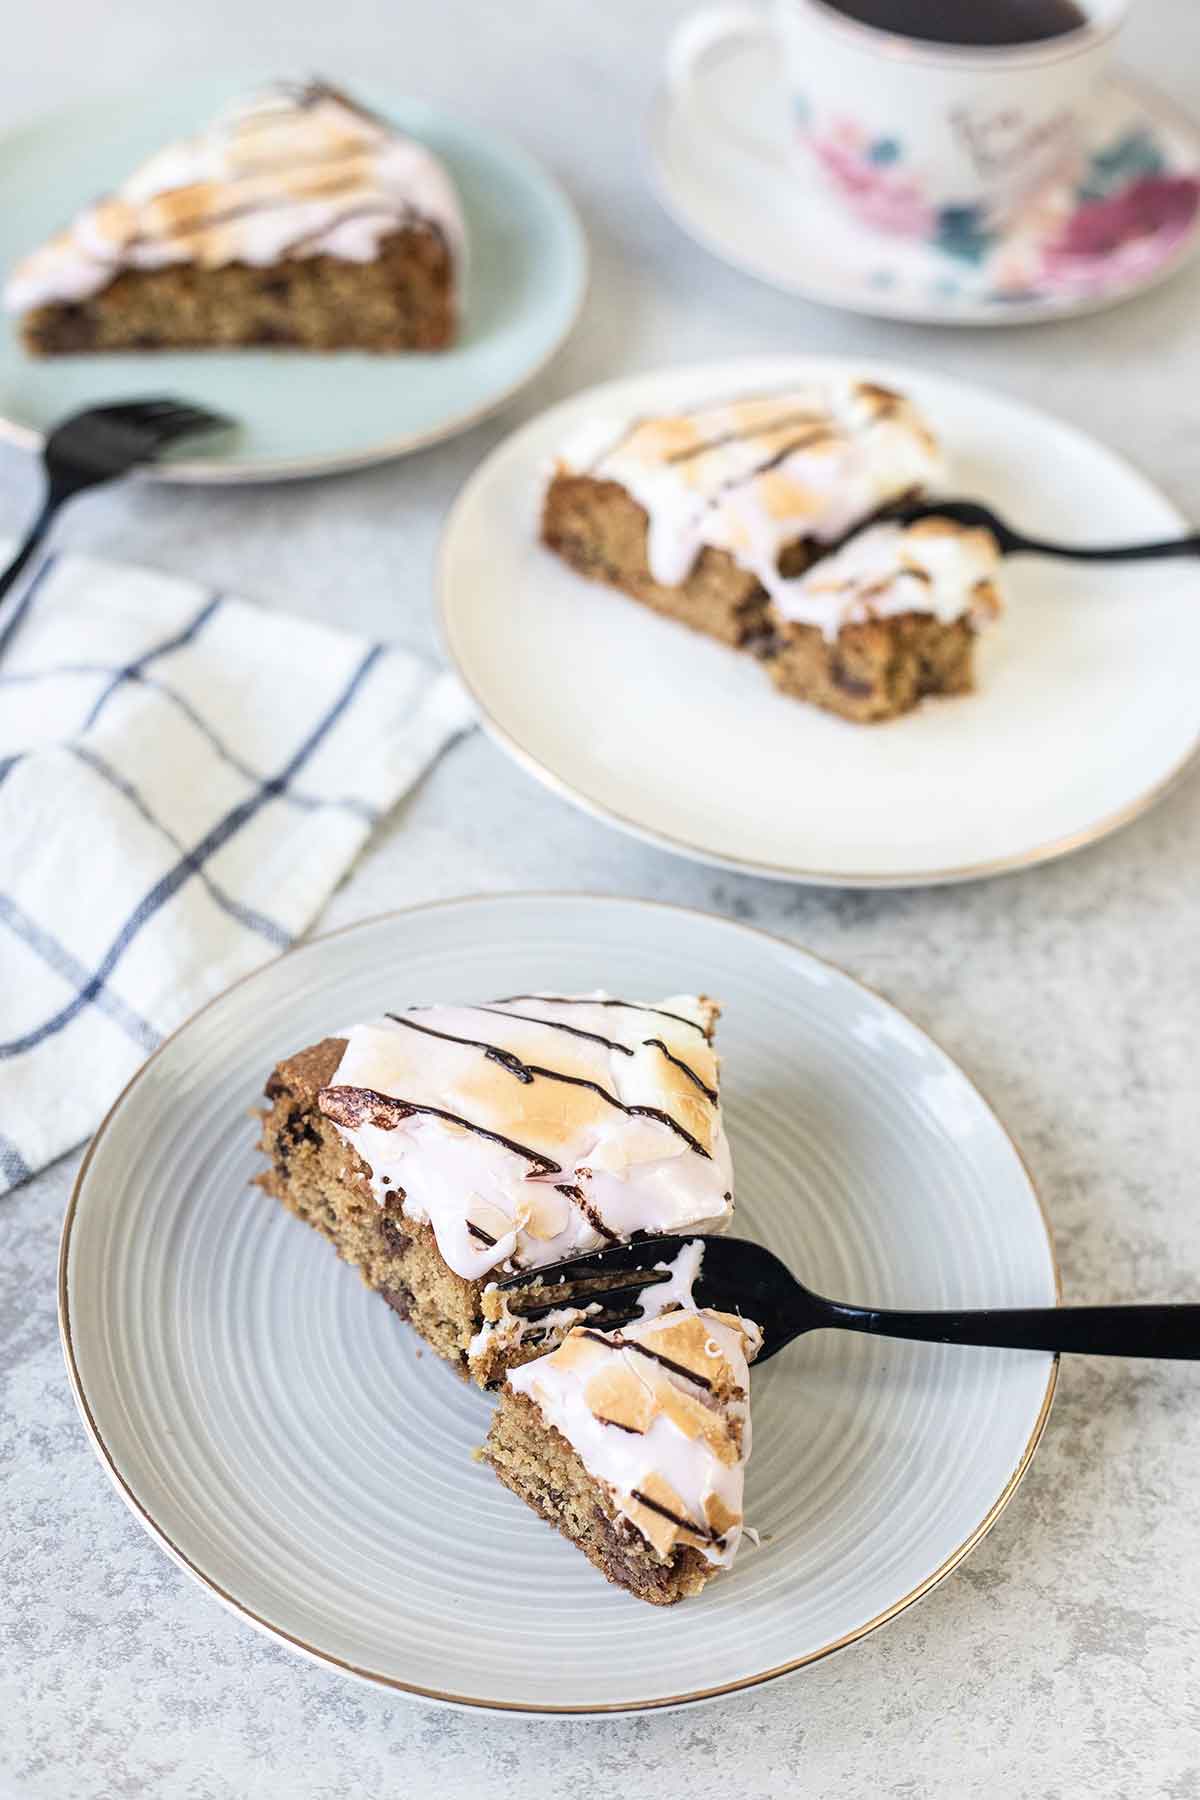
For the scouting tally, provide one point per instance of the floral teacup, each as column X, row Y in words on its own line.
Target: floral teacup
column 911, row 134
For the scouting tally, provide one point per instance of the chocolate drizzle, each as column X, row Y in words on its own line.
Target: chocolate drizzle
column 351, row 1107
column 590, row 1212
column 528, row 1071
column 680, row 1519
column 493, row 1052
column 592, row 1037
column 477, row 1231
column 657, row 1044
column 632, row 1112
column 627, row 1005
column 616, row 1342
column 817, row 424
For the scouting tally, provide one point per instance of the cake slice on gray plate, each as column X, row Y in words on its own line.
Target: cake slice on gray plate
column 634, row 1442
column 442, row 1147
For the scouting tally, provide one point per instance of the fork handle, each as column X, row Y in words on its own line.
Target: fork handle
column 1171, row 1331
column 1018, row 543
column 37, row 532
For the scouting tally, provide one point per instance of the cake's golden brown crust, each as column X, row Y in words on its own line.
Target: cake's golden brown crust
column 403, row 299
column 537, row 1464
column 877, row 669
column 316, row 1175
column 600, row 530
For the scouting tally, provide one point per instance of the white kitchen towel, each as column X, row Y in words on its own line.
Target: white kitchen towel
column 184, row 779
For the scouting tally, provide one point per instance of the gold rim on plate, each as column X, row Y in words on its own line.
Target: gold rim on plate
column 236, row 1606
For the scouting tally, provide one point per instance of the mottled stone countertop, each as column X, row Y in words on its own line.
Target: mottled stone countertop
column 1061, row 1659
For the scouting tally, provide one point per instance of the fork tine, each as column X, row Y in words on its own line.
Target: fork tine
column 129, row 409
column 611, row 1321
column 183, row 419
column 164, row 414
column 582, row 1294
column 638, row 1254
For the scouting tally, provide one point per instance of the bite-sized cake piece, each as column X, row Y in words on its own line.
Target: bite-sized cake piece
column 890, row 617
column 703, row 514
column 443, row 1147
column 634, row 1444
column 296, row 218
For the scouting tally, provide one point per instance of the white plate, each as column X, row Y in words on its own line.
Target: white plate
column 280, row 1433
column 1087, row 704
column 722, row 164
column 298, row 413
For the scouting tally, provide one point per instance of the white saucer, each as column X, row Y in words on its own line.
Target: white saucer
column 1087, row 704
column 745, row 196
column 281, row 1434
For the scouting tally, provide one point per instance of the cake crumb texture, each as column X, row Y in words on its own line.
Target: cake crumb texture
column 538, row 1465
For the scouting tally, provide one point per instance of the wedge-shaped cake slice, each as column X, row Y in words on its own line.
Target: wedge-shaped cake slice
column 295, row 218
column 889, row 618
column 443, row 1147
column 703, row 514
column 634, row 1444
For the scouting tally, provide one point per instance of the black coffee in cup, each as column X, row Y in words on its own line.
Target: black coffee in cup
column 980, row 23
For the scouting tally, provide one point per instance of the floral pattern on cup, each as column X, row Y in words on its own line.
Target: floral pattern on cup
column 867, row 172
column 1125, row 217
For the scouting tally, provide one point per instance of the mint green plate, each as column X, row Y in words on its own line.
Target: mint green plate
column 299, row 413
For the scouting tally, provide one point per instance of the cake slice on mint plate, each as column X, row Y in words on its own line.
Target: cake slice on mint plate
column 295, row 218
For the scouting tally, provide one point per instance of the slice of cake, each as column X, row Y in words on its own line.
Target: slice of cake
column 634, row 1444
column 890, row 617
column 702, row 515
column 297, row 218
column 443, row 1147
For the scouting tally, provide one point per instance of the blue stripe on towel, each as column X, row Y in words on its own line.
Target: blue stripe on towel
column 13, row 1167
column 57, row 957
column 133, row 671
column 245, row 915
column 192, row 863
column 294, row 796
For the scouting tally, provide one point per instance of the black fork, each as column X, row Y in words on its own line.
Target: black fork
column 740, row 1277
column 1017, row 543
column 98, row 445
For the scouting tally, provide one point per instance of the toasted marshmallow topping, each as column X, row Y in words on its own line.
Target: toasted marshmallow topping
column 535, row 1127
column 935, row 566
column 291, row 171
column 659, row 1413
column 754, row 476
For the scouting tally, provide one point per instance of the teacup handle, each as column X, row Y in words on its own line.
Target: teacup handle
column 696, row 38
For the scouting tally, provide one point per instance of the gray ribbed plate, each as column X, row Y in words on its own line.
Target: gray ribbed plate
column 280, row 1432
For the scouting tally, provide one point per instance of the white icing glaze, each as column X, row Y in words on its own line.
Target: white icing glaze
column 633, row 1173
column 753, row 476
column 286, row 172
column 934, row 567
column 703, row 1476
